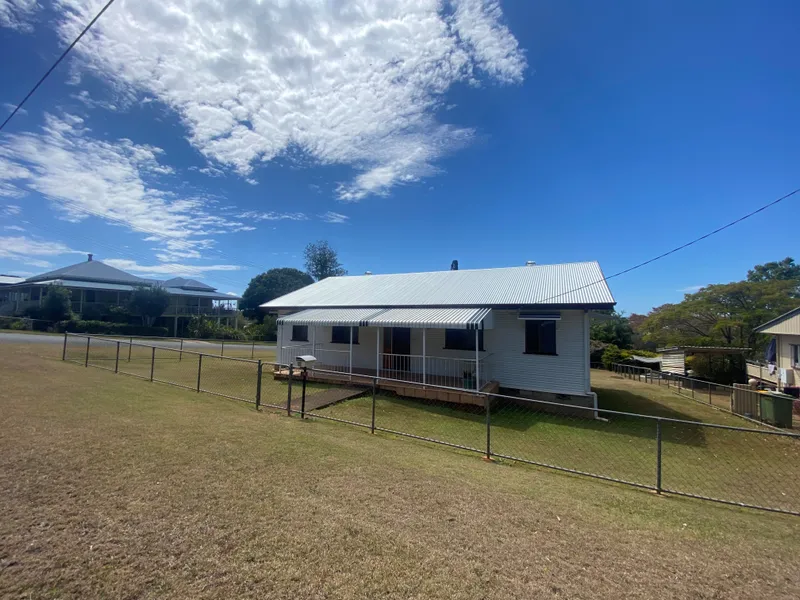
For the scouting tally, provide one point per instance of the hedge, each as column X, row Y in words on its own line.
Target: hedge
column 77, row 326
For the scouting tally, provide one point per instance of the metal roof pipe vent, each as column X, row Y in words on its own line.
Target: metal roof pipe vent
column 454, row 265
column 530, row 263
column 367, row 272
column 90, row 257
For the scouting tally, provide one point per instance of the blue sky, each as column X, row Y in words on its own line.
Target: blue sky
column 215, row 140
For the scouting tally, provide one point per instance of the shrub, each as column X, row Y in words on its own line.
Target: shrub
column 56, row 305
column 611, row 355
column 203, row 328
column 21, row 325
column 77, row 326
column 118, row 314
column 92, row 313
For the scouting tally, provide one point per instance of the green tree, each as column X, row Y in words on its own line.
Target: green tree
column 322, row 261
column 57, row 304
column 149, row 303
column 720, row 315
column 268, row 286
column 784, row 270
column 614, row 329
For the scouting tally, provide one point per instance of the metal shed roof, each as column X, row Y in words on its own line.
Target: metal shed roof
column 88, row 285
column 444, row 318
column 329, row 316
column 573, row 284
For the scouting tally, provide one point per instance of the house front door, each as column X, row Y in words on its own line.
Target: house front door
column 397, row 348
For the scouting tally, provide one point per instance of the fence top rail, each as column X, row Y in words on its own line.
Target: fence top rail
column 124, row 340
column 671, row 375
column 587, row 409
column 169, row 338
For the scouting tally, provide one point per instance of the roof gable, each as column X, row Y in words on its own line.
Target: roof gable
column 564, row 284
column 788, row 323
column 91, row 270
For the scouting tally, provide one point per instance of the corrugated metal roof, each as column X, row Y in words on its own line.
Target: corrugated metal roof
column 93, row 270
column 329, row 316
column 200, row 294
column 440, row 318
column 565, row 284
column 787, row 323
column 88, row 285
column 10, row 279
column 705, row 349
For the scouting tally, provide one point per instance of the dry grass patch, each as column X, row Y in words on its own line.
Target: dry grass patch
column 112, row 487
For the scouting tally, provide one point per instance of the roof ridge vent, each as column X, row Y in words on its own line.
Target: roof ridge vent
column 530, row 263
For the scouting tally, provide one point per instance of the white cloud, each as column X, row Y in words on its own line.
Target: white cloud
column 271, row 216
column 10, row 107
column 175, row 269
column 9, row 210
column 15, row 14
column 84, row 97
column 691, row 289
column 118, row 181
column 334, row 217
column 352, row 83
column 29, row 251
column 14, row 228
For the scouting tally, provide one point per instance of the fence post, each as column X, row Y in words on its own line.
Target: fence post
column 152, row 363
column 222, row 352
column 64, row 351
column 692, row 384
column 258, row 389
column 116, row 360
column 289, row 393
column 488, row 404
column 303, row 397
column 130, row 347
column 253, row 350
column 86, row 362
column 658, row 456
column 199, row 370
column 374, row 385
column 709, row 392
column 180, row 356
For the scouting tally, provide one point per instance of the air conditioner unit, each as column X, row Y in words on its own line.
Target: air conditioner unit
column 786, row 376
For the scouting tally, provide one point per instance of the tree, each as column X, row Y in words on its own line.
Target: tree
column 268, row 286
column 322, row 262
column 613, row 330
column 783, row 270
column 149, row 303
column 720, row 314
column 57, row 304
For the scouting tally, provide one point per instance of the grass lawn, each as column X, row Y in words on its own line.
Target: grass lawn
column 761, row 470
column 115, row 487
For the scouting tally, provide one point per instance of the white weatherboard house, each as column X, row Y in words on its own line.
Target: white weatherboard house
column 520, row 329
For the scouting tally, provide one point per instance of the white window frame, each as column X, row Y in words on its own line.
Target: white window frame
column 795, row 350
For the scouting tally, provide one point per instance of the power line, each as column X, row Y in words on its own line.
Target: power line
column 55, row 64
column 678, row 248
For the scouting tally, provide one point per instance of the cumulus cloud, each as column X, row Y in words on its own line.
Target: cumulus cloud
column 15, row 14
column 117, row 181
column 334, row 217
column 350, row 83
column 30, row 252
column 173, row 269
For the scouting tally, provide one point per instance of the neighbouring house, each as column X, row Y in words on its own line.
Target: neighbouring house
column 783, row 365
column 96, row 286
column 523, row 330
column 10, row 280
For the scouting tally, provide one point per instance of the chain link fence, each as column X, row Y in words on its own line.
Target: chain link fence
column 756, row 468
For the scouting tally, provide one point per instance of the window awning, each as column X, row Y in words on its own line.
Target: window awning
column 434, row 318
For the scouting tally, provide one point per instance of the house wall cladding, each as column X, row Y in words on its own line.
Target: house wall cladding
column 504, row 350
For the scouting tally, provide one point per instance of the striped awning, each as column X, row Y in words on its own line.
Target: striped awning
column 433, row 318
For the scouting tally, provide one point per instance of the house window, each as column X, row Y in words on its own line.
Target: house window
column 341, row 335
column 299, row 333
column 462, row 339
column 540, row 337
column 795, row 356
